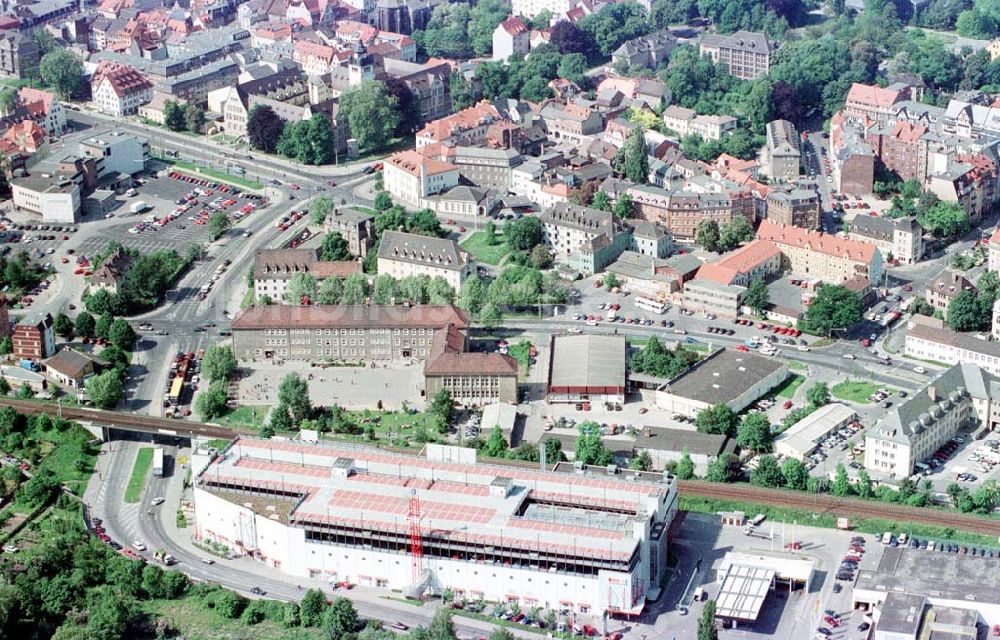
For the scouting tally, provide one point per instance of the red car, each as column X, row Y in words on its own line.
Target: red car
column 292, row 185
column 787, row 405
column 741, row 347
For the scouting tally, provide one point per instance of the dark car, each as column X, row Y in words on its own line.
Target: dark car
column 257, row 591
column 864, row 626
column 837, row 588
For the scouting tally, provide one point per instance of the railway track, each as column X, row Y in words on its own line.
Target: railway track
column 846, row 507
column 817, row 503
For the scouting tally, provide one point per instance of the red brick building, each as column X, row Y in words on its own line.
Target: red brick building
column 898, row 146
column 33, row 337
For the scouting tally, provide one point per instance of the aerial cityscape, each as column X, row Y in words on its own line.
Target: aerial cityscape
column 497, row 319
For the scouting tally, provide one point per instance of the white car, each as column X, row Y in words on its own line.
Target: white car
column 803, row 348
column 157, row 501
column 920, row 370
column 850, row 356
column 138, row 545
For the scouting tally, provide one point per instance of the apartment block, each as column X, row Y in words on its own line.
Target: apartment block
column 745, row 55
column 796, row 207
column 33, row 337
column 411, row 177
column 782, row 154
column 829, row 258
column 401, row 255
column 930, row 339
column 588, row 239
column 687, row 122
column 900, row 240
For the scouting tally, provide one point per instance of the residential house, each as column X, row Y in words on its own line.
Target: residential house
column 119, row 90
column 757, row 259
column 588, row 239
column 410, row 177
column 647, row 52
column 872, row 102
column 110, row 274
column 945, row 288
column 571, row 123
column 899, row 147
column 825, row 257
column 401, row 255
column 33, row 337
column 466, row 127
column 274, row 268
column 782, row 155
column 687, row 122
column 355, row 227
column 852, row 158
column 900, row 240
column 71, row 368
column 44, row 108
column 511, row 37
column 795, row 206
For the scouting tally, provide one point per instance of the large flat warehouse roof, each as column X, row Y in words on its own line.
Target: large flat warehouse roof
column 340, row 484
column 587, row 362
column 944, row 576
column 723, row 376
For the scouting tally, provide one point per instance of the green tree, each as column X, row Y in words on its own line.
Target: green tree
column 864, row 485
column 84, row 324
column 217, row 225
column 499, row 633
column 725, row 468
column 294, row 394
column 355, row 289
column 841, row 483
column 219, row 362
column 754, row 433
column 441, row 407
column 944, row 220
column 489, row 316
column 472, row 297
column 330, row 291
column 211, row 403
column 384, row 290
column 383, row 201
column 834, row 307
column 40, row 489
column 63, row 71
column 6, row 345
column 707, row 236
column 372, row 114
column 590, row 448
column 717, row 419
column 121, row 334
column 341, row 619
column 524, row 233
column 496, row 444
column 641, row 462
column 173, row 116
column 439, row 291
column 230, row 604
column 758, row 297
column 706, row 624
column 636, row 165
column 818, row 394
column 312, row 608
column 966, row 314
column 601, row 201
column 320, row 209
column 62, row 325
column 767, row 473
column 623, row 206
column 105, row 389
column 301, row 286
column 103, row 327
column 734, row 233
column 194, row 118
column 334, row 248
column 574, row 68
column 540, row 258
column 425, row 222
column 685, row 466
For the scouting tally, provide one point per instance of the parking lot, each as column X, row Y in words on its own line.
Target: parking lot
column 164, row 225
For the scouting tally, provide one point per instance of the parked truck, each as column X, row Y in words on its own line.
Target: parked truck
column 164, row 557
column 158, row 462
column 138, row 207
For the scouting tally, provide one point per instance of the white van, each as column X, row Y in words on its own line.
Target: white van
column 887, row 537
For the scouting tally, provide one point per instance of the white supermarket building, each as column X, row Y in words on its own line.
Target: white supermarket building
column 583, row 539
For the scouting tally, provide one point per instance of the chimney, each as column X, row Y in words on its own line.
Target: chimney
column 932, row 393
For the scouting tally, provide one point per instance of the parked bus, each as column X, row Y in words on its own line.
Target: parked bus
column 650, row 304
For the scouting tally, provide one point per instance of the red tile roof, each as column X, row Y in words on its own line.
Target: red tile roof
column 470, row 118
column 873, row 96
column 448, row 357
column 411, row 160
column 123, row 78
column 815, row 241
column 514, row 26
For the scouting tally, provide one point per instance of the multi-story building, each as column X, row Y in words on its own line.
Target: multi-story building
column 930, row 339
column 900, row 240
column 851, row 157
column 119, row 90
column 473, row 379
column 588, row 239
column 117, row 152
column 756, row 259
column 355, row 333
column 969, row 180
column 994, row 254
column 315, row 58
column 873, row 102
column 682, row 211
column 531, row 8
column 355, row 227
column 959, row 398
column 466, row 127
column 112, row 271
column 410, row 177
column 273, row 269
column 33, row 337
column 55, row 198
column 401, row 255
column 708, row 296
column 485, row 166
column 945, row 289
column 605, row 549
column 511, row 37
column 782, row 155
column 430, row 85
column 796, row 206
column 898, row 146
column 44, row 108
column 650, row 239
column 571, row 123
column 19, row 54
column 744, row 54
column 826, row 257
column 647, row 51
column 687, row 122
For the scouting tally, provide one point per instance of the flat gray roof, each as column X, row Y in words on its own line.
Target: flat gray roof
column 665, row 439
column 723, row 376
column 901, row 613
column 805, row 434
column 941, row 575
column 587, row 361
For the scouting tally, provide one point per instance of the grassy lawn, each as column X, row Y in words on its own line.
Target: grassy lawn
column 248, row 298
column 522, row 353
column 193, row 618
column 829, row 521
column 143, row 461
column 789, row 386
column 365, row 210
column 795, row 365
column 70, row 457
column 854, row 391
column 245, row 416
column 214, row 174
column 477, row 244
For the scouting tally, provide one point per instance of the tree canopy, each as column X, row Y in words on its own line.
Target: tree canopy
column 371, row 112
column 834, row 307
